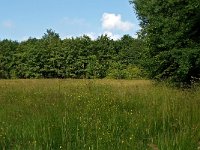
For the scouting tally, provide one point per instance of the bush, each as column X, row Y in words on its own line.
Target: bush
column 129, row 72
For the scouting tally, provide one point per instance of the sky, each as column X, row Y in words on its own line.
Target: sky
column 21, row 19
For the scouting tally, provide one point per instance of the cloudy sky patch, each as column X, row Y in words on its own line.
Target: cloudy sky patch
column 67, row 18
column 111, row 21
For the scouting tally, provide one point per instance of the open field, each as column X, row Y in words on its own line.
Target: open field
column 97, row 114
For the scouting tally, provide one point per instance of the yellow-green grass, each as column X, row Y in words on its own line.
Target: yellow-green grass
column 97, row 114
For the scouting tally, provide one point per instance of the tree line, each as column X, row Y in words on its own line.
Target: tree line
column 81, row 57
column 167, row 49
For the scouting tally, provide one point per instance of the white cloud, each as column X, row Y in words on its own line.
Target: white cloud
column 135, row 36
column 92, row 35
column 112, row 36
column 112, row 21
column 8, row 24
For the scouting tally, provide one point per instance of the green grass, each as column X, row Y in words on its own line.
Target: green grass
column 97, row 114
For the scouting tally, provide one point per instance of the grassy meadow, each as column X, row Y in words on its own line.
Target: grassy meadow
column 97, row 115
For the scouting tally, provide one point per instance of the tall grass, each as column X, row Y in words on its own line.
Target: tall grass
column 97, row 114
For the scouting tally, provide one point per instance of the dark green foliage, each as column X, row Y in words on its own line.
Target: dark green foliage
column 7, row 57
column 81, row 57
column 171, row 31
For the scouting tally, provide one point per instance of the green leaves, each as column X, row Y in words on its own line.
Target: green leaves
column 171, row 31
column 81, row 57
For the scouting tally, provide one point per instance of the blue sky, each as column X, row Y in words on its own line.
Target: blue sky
column 21, row 19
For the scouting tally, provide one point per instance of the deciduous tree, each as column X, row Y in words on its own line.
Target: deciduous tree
column 171, row 31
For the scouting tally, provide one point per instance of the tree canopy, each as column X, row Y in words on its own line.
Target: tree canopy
column 171, row 32
column 81, row 57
